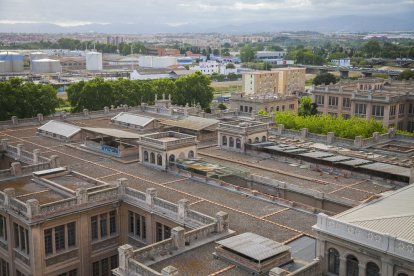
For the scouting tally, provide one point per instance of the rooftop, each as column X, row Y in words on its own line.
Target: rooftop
column 254, row 246
column 133, row 119
column 60, row 128
column 191, row 122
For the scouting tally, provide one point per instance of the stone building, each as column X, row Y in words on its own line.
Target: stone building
column 268, row 102
column 283, row 81
column 160, row 149
column 65, row 223
column 375, row 238
column 389, row 101
column 234, row 135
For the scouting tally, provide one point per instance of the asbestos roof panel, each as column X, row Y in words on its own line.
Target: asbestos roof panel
column 389, row 168
column 133, row 119
column 393, row 213
column 192, row 122
column 356, row 162
column 337, row 158
column 60, row 128
column 317, row 154
column 117, row 133
column 254, row 246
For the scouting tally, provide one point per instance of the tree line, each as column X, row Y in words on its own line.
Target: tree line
column 26, row 99
column 97, row 93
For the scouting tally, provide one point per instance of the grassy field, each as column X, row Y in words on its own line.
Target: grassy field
column 226, row 88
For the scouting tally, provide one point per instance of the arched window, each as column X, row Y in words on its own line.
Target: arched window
column 172, row 158
column 191, row 154
column 241, row 108
column 271, row 109
column 256, row 140
column 224, row 140
column 333, row 261
column 231, row 142
column 264, row 139
column 352, row 268
column 372, row 269
column 145, row 156
column 238, row 143
column 159, row 160
column 246, row 108
column 249, row 141
column 152, row 158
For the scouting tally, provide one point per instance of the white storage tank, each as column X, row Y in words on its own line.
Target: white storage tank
column 46, row 66
column 37, row 55
column 13, row 62
column 93, row 61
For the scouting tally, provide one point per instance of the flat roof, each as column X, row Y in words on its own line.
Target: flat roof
column 133, row 119
column 117, row 133
column 60, row 128
column 191, row 122
column 254, row 246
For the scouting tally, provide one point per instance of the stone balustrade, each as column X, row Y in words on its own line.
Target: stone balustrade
column 382, row 242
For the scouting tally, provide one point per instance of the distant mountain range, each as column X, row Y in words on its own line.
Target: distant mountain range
column 349, row 23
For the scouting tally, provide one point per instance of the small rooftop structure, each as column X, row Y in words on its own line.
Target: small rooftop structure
column 60, row 130
column 255, row 253
column 130, row 120
column 116, row 133
column 192, row 122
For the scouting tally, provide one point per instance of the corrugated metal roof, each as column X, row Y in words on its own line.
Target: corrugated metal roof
column 60, row 128
column 393, row 213
column 117, row 133
column 191, row 122
column 133, row 119
column 379, row 166
column 254, row 246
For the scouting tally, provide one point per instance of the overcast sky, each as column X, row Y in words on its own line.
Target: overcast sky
column 183, row 12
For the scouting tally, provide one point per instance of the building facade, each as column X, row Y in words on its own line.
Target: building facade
column 389, row 101
column 283, row 81
column 269, row 103
column 372, row 239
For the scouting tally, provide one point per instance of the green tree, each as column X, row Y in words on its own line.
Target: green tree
column 372, row 48
column 26, row 99
column 247, row 53
column 194, row 88
column 325, row 78
column 230, row 66
column 222, row 106
column 307, row 107
column 406, row 75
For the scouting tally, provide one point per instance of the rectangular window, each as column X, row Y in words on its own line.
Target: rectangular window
column 333, row 101
column 4, row 269
column 71, row 228
column 167, row 232
column 411, row 109
column 48, row 242
column 378, row 110
column 104, row 225
column 60, row 238
column 21, row 238
column 292, row 106
column 112, row 222
column 410, row 126
column 158, row 232
column 104, row 267
column 144, row 228
column 73, row 272
column 3, row 228
column 360, row 109
column 346, row 102
column 392, row 110
column 94, row 227
column 401, row 109
column 95, row 269
column 18, row 273
column 114, row 261
column 138, row 225
column 320, row 99
column 131, row 222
